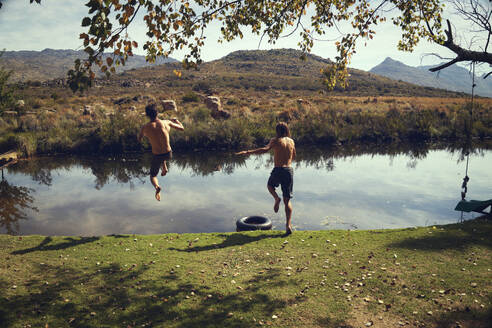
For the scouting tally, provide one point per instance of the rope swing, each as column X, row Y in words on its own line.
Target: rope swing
column 472, row 205
column 464, row 185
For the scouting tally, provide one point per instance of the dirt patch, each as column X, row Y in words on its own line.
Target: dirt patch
column 361, row 316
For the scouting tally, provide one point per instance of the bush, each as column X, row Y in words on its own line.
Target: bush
column 191, row 97
column 6, row 92
column 202, row 114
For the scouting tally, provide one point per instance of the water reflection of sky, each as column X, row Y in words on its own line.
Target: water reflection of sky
column 364, row 192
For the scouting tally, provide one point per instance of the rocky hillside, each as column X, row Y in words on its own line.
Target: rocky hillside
column 280, row 69
column 454, row 78
column 52, row 64
column 257, row 70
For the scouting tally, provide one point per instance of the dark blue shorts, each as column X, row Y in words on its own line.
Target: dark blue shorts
column 283, row 176
column 157, row 162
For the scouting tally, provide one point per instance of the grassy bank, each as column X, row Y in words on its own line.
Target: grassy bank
column 430, row 276
column 52, row 126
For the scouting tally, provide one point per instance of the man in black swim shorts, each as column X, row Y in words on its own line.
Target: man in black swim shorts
column 157, row 132
column 284, row 152
column 158, row 161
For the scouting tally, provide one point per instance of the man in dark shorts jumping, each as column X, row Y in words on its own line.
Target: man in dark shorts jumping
column 284, row 152
column 157, row 132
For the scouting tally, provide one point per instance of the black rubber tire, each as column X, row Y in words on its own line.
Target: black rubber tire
column 250, row 223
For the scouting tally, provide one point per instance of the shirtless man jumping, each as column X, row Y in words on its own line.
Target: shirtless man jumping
column 284, row 151
column 157, row 132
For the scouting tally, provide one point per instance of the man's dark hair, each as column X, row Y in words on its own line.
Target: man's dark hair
column 282, row 130
column 151, row 111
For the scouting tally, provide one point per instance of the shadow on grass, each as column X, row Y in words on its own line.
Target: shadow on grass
column 455, row 236
column 69, row 242
column 116, row 296
column 234, row 239
column 330, row 323
column 466, row 317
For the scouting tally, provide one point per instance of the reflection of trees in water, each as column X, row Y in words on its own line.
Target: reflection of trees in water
column 121, row 170
column 207, row 163
column 136, row 167
column 105, row 170
column 468, row 147
column 14, row 201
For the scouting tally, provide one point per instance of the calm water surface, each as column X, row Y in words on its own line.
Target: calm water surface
column 208, row 191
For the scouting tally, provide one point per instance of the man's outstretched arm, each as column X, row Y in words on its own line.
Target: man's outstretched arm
column 175, row 123
column 261, row 150
column 140, row 135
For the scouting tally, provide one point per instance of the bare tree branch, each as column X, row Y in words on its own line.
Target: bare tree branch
column 461, row 53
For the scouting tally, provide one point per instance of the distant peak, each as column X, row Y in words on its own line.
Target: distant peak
column 390, row 60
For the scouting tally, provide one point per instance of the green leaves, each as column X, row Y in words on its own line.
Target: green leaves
column 183, row 25
column 86, row 21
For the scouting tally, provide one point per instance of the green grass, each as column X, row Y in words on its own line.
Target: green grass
column 248, row 279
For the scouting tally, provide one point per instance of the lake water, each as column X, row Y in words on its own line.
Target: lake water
column 356, row 188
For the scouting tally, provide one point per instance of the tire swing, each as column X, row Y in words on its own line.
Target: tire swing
column 250, row 223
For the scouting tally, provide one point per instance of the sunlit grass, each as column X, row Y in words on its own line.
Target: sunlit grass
column 435, row 276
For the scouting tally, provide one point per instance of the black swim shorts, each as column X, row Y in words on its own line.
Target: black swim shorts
column 283, row 176
column 157, row 162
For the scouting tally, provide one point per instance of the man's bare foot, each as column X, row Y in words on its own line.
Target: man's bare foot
column 288, row 230
column 277, row 205
column 158, row 193
column 164, row 172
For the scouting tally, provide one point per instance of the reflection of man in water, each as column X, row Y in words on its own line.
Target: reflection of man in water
column 157, row 132
column 284, row 151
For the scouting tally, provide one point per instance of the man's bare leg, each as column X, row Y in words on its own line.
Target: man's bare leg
column 277, row 199
column 288, row 215
column 164, row 168
column 155, row 183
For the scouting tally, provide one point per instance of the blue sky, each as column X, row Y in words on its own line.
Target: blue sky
column 56, row 24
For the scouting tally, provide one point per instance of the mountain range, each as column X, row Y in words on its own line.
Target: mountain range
column 277, row 69
column 454, row 77
column 52, row 64
column 258, row 70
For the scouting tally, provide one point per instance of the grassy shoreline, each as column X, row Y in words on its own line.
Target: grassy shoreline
column 50, row 127
column 418, row 277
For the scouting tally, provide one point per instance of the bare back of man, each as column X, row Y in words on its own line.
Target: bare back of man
column 284, row 151
column 157, row 132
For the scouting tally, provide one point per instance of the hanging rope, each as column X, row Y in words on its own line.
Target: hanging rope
column 464, row 185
